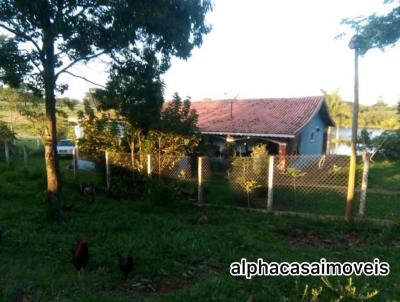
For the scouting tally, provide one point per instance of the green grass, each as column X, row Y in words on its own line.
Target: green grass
column 325, row 202
column 385, row 175
column 185, row 261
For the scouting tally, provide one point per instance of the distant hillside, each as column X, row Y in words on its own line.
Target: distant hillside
column 26, row 128
column 379, row 116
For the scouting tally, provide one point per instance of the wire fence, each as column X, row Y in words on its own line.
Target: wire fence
column 300, row 183
column 306, row 183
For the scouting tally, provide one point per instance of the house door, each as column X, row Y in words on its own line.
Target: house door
column 324, row 142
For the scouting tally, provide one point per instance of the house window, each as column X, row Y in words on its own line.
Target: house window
column 312, row 136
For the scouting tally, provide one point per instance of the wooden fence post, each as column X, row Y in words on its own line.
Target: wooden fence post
column 107, row 171
column 364, row 184
column 200, row 179
column 148, row 165
column 25, row 156
column 74, row 161
column 270, row 198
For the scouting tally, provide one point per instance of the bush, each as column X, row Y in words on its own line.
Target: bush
column 161, row 192
column 389, row 142
column 123, row 183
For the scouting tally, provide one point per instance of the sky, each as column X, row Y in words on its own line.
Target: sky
column 269, row 48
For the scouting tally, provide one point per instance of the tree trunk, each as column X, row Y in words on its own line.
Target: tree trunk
column 50, row 135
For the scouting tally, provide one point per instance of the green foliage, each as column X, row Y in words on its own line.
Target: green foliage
column 178, row 117
column 339, row 292
column 170, row 143
column 167, row 244
column 376, row 31
column 389, row 144
column 24, row 108
column 348, row 291
column 259, row 151
column 364, row 140
column 379, row 115
column 6, row 134
column 57, row 34
column 135, row 89
column 13, row 64
column 338, row 109
column 82, row 30
column 242, row 174
column 101, row 133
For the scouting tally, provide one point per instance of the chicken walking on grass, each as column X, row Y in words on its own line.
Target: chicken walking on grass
column 125, row 264
column 80, row 254
column 88, row 190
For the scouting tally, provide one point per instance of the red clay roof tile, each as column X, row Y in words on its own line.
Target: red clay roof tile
column 285, row 116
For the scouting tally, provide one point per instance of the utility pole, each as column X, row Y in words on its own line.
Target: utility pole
column 353, row 159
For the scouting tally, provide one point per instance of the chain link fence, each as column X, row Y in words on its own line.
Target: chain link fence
column 300, row 183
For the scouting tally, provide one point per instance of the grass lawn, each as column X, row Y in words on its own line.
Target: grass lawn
column 179, row 259
column 385, row 175
column 321, row 203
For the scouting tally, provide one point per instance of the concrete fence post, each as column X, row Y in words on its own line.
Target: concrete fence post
column 270, row 198
column 77, row 151
column 7, row 152
column 74, row 161
column 148, row 165
column 108, row 172
column 200, row 179
column 25, row 156
column 364, row 184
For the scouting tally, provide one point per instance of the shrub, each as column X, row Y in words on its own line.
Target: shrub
column 389, row 144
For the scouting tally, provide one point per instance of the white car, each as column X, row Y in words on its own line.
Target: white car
column 65, row 147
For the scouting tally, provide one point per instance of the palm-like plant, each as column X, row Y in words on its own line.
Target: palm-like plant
column 338, row 110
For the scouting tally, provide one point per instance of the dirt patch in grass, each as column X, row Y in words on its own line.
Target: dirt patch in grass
column 144, row 288
column 314, row 239
column 396, row 243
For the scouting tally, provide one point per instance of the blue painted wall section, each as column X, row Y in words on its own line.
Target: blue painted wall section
column 312, row 140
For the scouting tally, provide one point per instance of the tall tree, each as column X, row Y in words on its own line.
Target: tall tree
column 62, row 33
column 178, row 117
column 134, row 89
column 377, row 31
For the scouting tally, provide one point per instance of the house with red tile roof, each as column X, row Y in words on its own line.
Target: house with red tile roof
column 285, row 125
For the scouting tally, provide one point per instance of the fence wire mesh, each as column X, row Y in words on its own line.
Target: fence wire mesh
column 166, row 166
column 173, row 166
column 314, row 173
column 300, row 183
column 303, row 183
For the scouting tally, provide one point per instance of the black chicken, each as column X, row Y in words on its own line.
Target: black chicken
column 88, row 190
column 125, row 264
column 80, row 254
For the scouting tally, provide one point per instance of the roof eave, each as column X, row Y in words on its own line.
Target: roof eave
column 321, row 103
column 249, row 134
